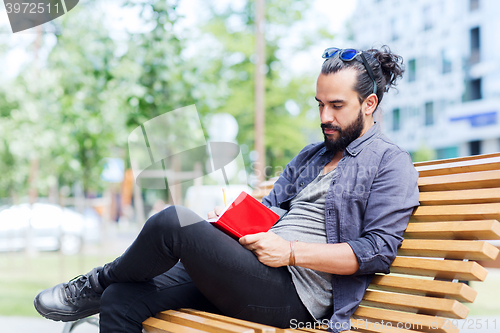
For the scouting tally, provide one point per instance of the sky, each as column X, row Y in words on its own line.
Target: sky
column 332, row 14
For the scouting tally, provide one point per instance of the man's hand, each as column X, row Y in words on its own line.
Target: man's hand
column 216, row 212
column 270, row 249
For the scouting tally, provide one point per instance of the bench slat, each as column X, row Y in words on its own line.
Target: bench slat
column 155, row 325
column 201, row 323
column 463, row 181
column 367, row 328
column 475, row 196
column 415, row 321
column 441, row 269
column 258, row 328
column 492, row 163
column 456, row 159
column 418, row 304
column 486, row 229
column 310, row 330
column 457, row 212
column 435, row 288
column 452, row 249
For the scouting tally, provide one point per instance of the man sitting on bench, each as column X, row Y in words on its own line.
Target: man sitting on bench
column 348, row 200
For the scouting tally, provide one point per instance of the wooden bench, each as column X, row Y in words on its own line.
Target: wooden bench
column 445, row 239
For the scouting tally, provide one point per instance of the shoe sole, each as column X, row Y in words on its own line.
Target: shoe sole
column 63, row 317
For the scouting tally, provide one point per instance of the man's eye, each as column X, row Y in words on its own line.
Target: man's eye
column 337, row 106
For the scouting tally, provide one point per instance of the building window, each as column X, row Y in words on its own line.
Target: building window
column 429, row 113
column 448, row 152
column 475, row 147
column 428, row 21
column 473, row 5
column 412, row 70
column 475, row 45
column 473, row 90
column 394, row 29
column 445, row 63
column 396, row 119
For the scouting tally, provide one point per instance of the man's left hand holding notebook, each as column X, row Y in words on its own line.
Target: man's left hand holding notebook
column 270, row 249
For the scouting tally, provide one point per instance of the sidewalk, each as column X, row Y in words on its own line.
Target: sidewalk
column 39, row 325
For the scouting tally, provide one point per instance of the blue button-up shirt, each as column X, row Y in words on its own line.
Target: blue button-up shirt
column 368, row 205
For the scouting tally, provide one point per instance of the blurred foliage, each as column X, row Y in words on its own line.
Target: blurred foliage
column 234, row 30
column 423, row 153
column 65, row 117
column 166, row 79
column 69, row 113
column 86, row 98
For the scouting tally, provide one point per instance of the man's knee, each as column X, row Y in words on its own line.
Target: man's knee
column 176, row 215
column 163, row 220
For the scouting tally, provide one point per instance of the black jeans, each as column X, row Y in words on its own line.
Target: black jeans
column 215, row 274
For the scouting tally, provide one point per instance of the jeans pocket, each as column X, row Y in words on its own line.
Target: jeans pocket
column 267, row 315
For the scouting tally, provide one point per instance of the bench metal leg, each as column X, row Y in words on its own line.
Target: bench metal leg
column 71, row 325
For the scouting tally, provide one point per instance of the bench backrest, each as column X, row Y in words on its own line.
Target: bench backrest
column 460, row 209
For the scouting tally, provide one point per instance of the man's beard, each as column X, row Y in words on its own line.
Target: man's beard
column 346, row 135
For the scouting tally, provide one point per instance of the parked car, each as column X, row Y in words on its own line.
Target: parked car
column 47, row 227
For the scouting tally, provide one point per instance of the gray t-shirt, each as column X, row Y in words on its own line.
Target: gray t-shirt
column 305, row 222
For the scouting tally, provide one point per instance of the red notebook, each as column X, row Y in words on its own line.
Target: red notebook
column 245, row 215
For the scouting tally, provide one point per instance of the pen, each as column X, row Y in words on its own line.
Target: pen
column 224, row 195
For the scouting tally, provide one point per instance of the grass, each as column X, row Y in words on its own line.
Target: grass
column 488, row 295
column 23, row 277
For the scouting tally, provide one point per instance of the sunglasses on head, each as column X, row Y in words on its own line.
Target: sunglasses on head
column 349, row 55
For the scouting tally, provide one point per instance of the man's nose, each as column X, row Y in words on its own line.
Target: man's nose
column 326, row 116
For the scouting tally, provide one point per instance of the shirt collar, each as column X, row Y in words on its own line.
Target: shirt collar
column 360, row 143
column 322, row 151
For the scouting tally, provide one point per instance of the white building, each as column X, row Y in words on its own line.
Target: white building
column 449, row 97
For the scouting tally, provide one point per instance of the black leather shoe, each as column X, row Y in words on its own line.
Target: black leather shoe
column 77, row 299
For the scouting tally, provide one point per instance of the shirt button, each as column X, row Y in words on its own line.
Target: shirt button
column 301, row 183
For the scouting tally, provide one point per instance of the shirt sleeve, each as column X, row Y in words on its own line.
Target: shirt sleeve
column 393, row 197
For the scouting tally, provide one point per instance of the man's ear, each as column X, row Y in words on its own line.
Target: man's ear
column 370, row 104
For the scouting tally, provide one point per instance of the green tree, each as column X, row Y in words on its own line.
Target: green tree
column 286, row 132
column 64, row 113
column 81, row 104
column 167, row 79
column 423, row 153
column 83, row 64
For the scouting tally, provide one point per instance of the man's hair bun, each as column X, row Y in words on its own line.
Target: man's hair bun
column 391, row 65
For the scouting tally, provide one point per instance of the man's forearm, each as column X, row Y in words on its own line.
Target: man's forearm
column 274, row 251
column 329, row 258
